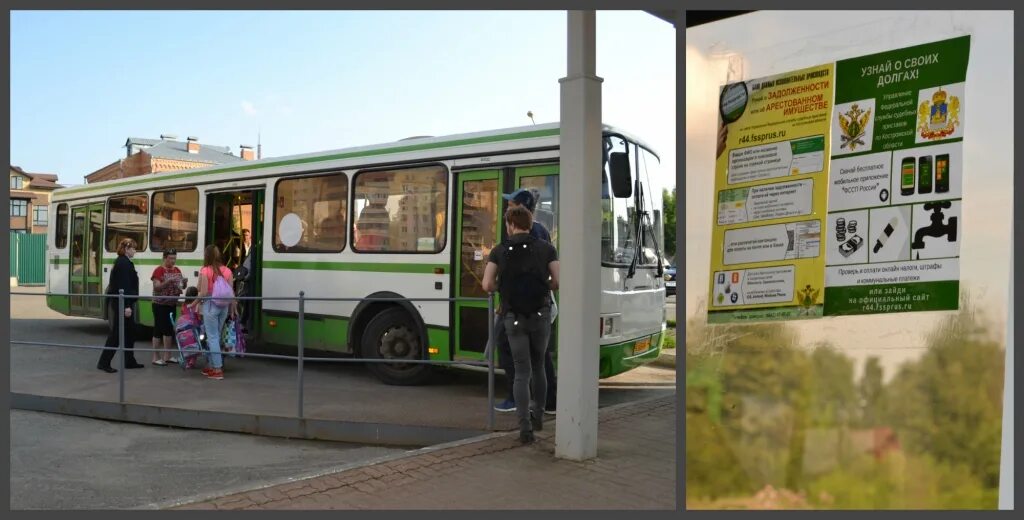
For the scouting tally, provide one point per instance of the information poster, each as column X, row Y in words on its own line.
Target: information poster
column 771, row 186
column 894, row 208
column 838, row 188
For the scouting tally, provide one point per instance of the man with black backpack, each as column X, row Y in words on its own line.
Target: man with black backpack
column 526, row 198
column 524, row 270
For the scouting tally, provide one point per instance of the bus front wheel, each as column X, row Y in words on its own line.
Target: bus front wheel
column 392, row 335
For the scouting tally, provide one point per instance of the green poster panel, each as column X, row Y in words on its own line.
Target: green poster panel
column 894, row 226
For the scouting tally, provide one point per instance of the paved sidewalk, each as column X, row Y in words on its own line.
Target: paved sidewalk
column 635, row 469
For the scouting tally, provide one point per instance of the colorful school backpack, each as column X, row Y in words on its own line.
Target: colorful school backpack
column 187, row 335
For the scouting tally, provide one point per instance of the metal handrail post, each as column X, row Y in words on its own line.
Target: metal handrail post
column 120, row 343
column 301, row 341
column 490, row 362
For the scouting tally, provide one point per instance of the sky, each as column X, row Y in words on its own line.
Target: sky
column 766, row 43
column 82, row 82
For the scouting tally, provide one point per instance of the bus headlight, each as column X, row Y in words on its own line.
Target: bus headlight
column 608, row 325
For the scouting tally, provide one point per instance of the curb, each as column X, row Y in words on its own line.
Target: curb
column 374, row 434
column 667, row 359
column 257, row 486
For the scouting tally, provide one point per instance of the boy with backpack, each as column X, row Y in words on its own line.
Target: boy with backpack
column 524, row 270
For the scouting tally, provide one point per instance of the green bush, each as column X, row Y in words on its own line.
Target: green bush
column 901, row 481
column 670, row 341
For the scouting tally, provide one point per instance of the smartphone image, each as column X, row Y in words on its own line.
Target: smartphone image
column 924, row 174
column 907, row 174
column 942, row 173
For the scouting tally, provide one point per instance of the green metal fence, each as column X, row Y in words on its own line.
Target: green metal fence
column 28, row 258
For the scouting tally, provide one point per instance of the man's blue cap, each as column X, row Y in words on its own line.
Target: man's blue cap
column 521, row 196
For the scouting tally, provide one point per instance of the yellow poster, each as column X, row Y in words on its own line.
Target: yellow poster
column 771, row 188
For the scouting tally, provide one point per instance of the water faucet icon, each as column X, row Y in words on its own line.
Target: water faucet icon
column 936, row 228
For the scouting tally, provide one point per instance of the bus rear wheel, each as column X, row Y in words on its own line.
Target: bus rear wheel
column 392, row 335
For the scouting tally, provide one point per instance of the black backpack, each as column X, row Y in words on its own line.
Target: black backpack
column 523, row 284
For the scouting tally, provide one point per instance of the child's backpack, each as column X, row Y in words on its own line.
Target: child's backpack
column 186, row 334
column 188, row 317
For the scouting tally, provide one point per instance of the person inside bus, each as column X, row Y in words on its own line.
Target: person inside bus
column 246, row 244
column 372, row 227
column 332, row 230
column 123, row 277
column 226, row 238
column 527, row 199
column 243, row 268
column 528, row 270
column 244, row 288
column 159, row 240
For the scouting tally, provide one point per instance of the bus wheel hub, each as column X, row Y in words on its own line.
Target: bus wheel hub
column 398, row 342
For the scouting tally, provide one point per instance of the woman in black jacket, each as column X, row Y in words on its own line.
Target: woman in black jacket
column 122, row 277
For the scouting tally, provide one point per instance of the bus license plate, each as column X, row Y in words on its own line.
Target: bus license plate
column 642, row 346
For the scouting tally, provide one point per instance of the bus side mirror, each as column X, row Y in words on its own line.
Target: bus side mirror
column 622, row 183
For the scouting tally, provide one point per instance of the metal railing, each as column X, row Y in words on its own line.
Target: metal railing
column 300, row 358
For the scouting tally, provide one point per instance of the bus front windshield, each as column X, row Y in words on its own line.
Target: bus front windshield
column 621, row 222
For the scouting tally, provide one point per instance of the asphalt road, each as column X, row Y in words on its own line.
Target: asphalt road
column 66, row 462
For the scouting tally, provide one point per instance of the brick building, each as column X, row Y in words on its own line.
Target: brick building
column 30, row 200
column 166, row 154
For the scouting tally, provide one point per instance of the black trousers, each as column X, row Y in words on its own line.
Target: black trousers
column 506, row 364
column 113, row 340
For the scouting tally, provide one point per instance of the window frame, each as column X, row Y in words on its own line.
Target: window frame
column 635, row 154
column 20, row 203
column 61, row 232
column 395, row 168
column 273, row 216
column 19, row 180
column 106, row 220
column 152, row 204
column 35, row 211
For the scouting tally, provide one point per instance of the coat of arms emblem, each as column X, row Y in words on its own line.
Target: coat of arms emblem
column 939, row 118
column 854, row 124
column 808, row 297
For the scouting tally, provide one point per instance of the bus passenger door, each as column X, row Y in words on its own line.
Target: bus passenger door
column 543, row 181
column 477, row 203
column 229, row 215
column 86, row 260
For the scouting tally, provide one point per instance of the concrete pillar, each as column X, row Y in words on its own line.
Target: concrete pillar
column 1006, row 453
column 579, row 218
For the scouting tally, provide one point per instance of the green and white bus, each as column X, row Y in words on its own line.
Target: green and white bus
column 410, row 219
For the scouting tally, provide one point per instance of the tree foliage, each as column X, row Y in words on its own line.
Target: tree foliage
column 763, row 410
column 668, row 200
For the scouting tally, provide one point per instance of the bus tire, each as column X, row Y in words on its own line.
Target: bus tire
column 393, row 334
